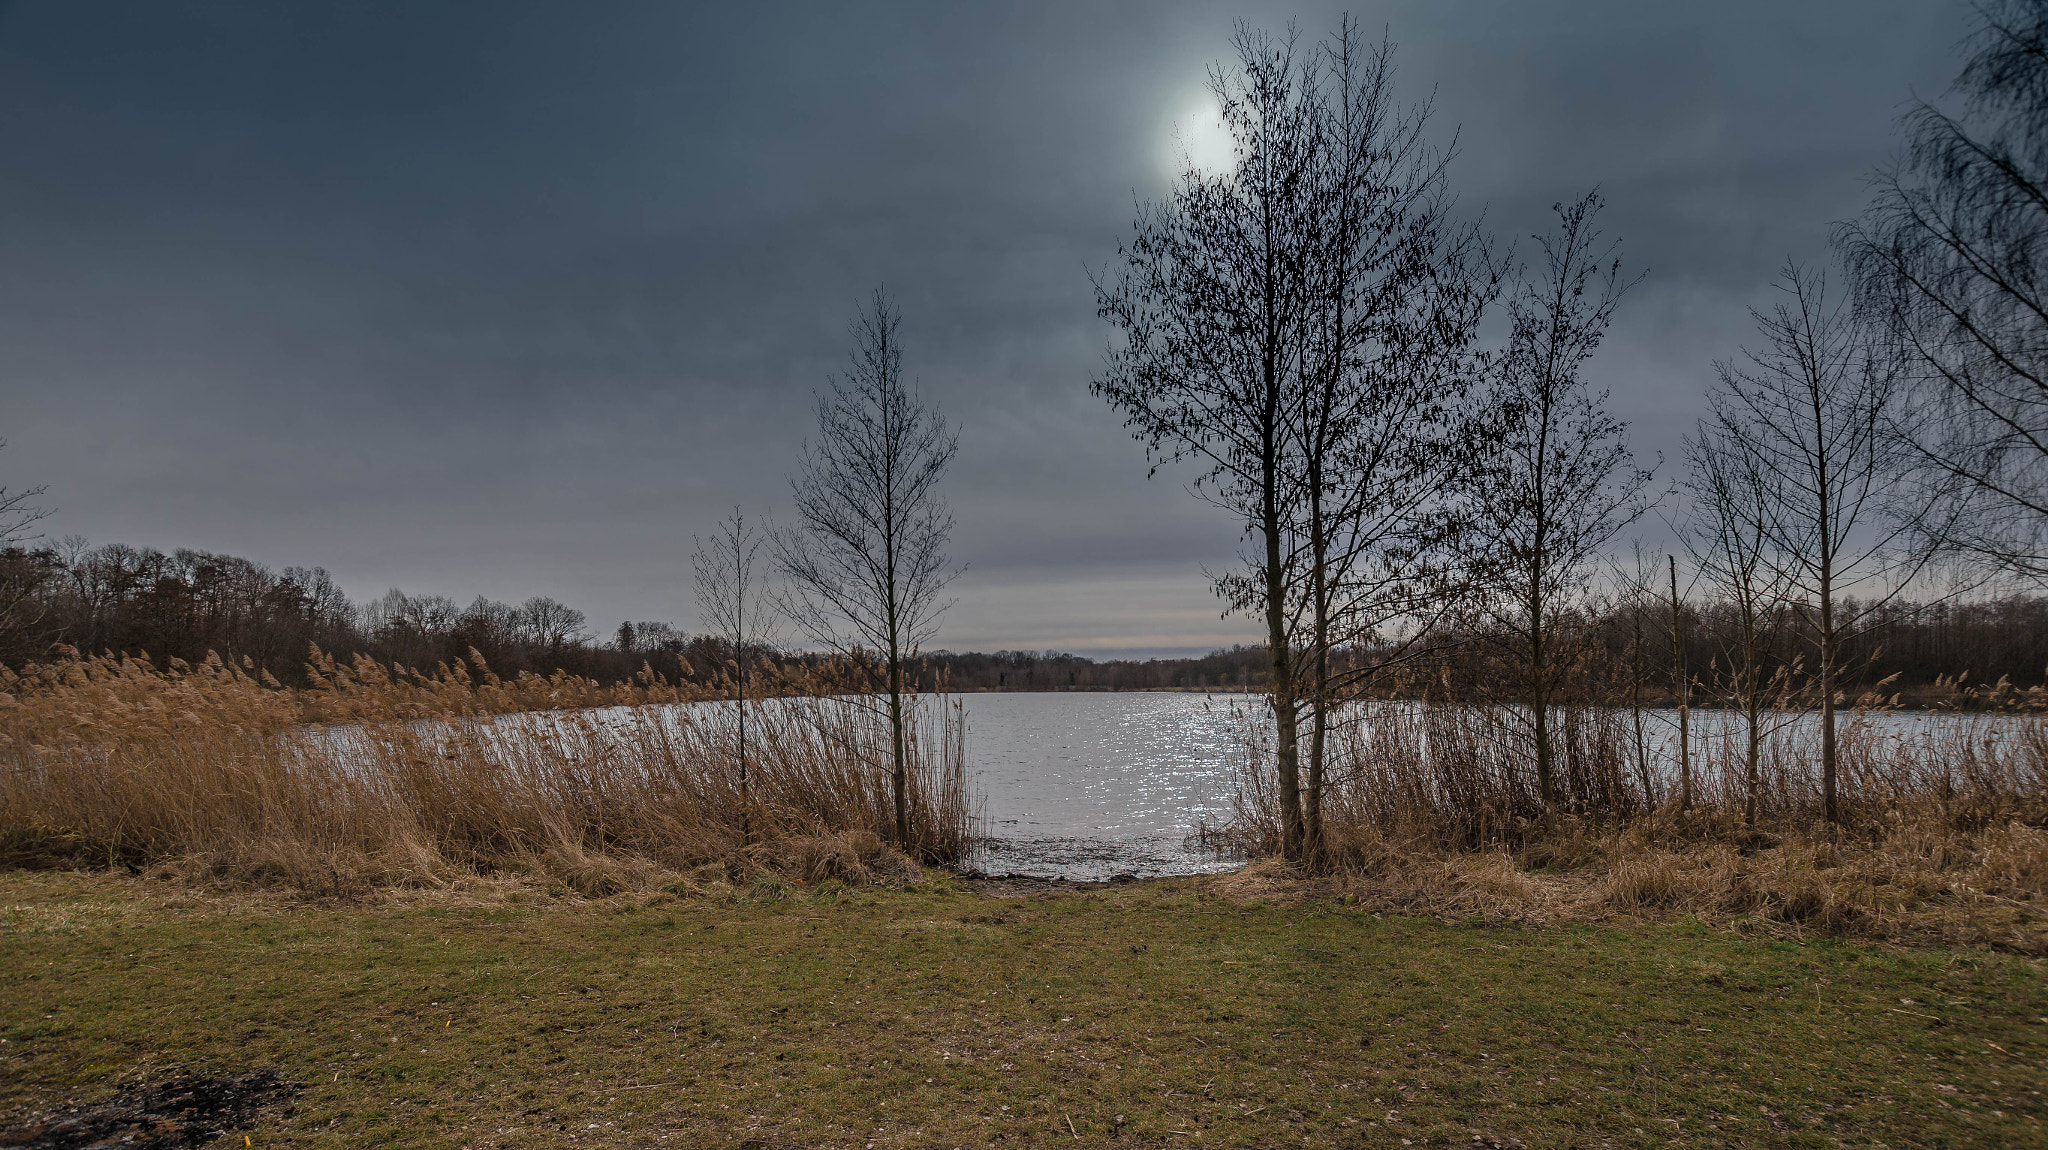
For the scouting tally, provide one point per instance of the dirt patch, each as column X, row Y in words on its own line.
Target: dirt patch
column 1024, row 886
column 181, row 1112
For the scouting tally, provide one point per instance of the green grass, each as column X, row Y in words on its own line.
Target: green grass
column 1146, row 1014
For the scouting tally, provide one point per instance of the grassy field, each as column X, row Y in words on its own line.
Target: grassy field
column 1145, row 1014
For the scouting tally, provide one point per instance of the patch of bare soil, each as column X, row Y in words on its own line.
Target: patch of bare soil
column 1024, row 886
column 178, row 1113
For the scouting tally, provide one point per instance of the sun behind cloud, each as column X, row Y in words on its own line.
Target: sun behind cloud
column 1197, row 138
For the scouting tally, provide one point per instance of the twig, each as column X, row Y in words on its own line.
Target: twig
column 2004, row 1051
column 649, row 1086
column 1070, row 1128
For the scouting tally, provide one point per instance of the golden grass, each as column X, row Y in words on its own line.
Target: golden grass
column 107, row 697
column 375, row 778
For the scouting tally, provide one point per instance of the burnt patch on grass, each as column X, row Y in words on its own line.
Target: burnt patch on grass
column 176, row 1113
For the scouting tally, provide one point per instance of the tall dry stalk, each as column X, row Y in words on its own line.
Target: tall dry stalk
column 108, row 761
column 1454, row 777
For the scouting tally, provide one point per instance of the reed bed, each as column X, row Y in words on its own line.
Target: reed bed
column 1434, row 806
column 421, row 780
column 108, row 697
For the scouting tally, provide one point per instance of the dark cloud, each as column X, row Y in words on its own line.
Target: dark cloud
column 513, row 298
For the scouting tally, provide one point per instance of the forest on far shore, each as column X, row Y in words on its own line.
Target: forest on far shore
column 182, row 605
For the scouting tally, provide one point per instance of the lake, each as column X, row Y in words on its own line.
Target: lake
column 1089, row 785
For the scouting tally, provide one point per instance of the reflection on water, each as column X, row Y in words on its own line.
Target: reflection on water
column 1094, row 785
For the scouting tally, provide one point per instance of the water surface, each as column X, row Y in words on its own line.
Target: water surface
column 1089, row 785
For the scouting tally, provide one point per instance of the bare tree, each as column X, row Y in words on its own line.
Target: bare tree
column 1952, row 259
column 549, row 624
column 866, row 562
column 1213, row 303
column 1380, row 424
column 1681, row 682
column 1636, row 598
column 729, row 596
column 1807, row 414
column 1301, row 327
column 1729, row 536
column 423, row 616
column 1560, row 485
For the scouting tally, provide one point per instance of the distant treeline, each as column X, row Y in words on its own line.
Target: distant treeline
column 1905, row 646
column 182, row 605
column 1235, row 668
column 185, row 604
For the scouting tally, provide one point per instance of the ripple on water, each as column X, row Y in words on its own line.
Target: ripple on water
column 1095, row 785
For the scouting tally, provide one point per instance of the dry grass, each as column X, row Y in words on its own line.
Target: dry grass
column 427, row 780
column 1431, row 808
column 77, row 699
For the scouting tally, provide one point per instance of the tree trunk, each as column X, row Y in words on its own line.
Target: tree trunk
column 1753, row 760
column 1752, row 682
column 1539, row 702
column 1637, row 673
column 1830, row 800
column 1287, row 745
column 1683, row 686
column 746, row 807
column 1319, row 686
column 900, row 775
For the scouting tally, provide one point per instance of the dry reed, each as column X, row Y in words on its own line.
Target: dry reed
column 79, row 699
column 375, row 778
column 1433, row 807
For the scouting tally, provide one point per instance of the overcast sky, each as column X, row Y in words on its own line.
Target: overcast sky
column 512, row 299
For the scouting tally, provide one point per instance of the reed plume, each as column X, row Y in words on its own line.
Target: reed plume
column 380, row 776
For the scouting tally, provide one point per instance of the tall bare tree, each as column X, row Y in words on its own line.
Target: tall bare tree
column 865, row 564
column 1560, row 485
column 1214, row 305
column 1380, row 423
column 1636, row 601
column 1952, row 259
column 1301, row 326
column 729, row 599
column 1807, row 413
column 1730, row 537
